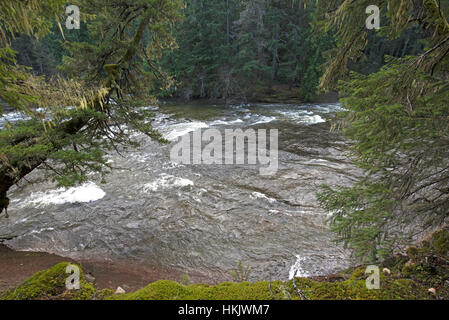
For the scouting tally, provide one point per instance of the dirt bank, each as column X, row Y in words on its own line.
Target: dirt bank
column 16, row 266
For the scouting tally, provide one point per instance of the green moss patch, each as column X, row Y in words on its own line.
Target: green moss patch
column 428, row 264
column 50, row 284
column 353, row 289
column 169, row 290
column 302, row 289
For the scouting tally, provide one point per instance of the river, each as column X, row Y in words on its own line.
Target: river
column 199, row 218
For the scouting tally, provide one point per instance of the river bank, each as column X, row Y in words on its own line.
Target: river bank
column 420, row 274
column 279, row 94
column 16, row 266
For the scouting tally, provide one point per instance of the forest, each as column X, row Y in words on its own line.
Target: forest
column 82, row 92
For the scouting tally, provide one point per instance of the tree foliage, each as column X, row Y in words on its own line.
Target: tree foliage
column 397, row 118
column 105, row 87
column 236, row 48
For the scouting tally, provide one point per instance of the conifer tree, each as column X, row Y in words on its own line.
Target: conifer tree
column 107, row 83
column 397, row 119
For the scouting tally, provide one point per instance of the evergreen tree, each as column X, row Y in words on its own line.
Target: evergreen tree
column 237, row 48
column 252, row 46
column 397, row 118
column 203, row 63
column 106, row 86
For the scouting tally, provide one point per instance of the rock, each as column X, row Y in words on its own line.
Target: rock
column 433, row 291
column 387, row 271
column 89, row 277
column 120, row 290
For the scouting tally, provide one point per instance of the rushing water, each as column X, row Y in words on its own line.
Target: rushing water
column 201, row 218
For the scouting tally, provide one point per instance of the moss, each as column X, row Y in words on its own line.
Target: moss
column 395, row 263
column 357, row 290
column 50, row 284
column 408, row 270
column 103, row 294
column 352, row 289
column 413, row 253
column 412, row 276
column 358, row 273
column 429, row 265
column 440, row 242
column 169, row 290
column 437, row 243
column 427, row 274
column 86, row 292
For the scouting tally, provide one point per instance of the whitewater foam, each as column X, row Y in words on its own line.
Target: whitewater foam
column 181, row 129
column 85, row 193
column 167, row 181
column 258, row 195
column 265, row 119
column 296, row 270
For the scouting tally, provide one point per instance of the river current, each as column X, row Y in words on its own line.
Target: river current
column 199, row 218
